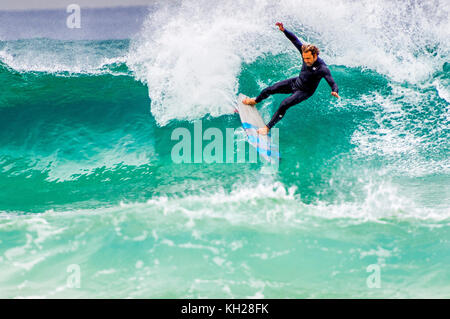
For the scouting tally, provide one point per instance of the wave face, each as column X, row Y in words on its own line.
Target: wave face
column 88, row 180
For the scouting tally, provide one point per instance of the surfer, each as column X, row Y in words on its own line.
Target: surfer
column 301, row 87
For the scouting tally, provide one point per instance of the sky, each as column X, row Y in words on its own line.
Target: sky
column 57, row 4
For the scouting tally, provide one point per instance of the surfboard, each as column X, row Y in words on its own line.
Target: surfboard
column 251, row 120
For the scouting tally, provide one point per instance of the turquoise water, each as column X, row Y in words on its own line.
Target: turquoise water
column 88, row 181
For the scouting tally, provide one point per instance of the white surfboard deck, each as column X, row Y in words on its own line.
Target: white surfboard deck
column 251, row 121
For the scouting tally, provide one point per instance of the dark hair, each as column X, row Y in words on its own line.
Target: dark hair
column 310, row 48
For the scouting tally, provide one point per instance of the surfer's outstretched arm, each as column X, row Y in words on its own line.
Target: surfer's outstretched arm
column 292, row 37
column 329, row 78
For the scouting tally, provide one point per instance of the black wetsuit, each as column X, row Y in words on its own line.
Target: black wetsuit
column 301, row 87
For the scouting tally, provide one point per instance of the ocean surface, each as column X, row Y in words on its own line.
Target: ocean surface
column 93, row 205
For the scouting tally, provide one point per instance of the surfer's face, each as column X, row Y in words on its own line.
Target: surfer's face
column 309, row 58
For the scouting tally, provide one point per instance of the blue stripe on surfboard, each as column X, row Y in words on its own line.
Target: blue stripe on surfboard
column 261, row 143
column 268, row 152
column 247, row 126
column 265, row 151
column 252, row 138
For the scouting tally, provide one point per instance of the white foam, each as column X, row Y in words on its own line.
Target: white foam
column 443, row 91
column 269, row 207
column 402, row 130
column 390, row 136
column 61, row 58
column 191, row 54
column 389, row 37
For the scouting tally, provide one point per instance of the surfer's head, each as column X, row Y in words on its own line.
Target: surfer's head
column 310, row 53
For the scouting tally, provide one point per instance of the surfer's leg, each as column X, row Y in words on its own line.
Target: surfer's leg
column 292, row 100
column 279, row 87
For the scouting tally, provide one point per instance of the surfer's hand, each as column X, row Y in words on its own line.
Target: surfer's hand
column 263, row 130
column 280, row 26
column 335, row 94
column 249, row 101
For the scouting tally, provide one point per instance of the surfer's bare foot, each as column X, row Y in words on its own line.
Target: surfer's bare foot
column 263, row 130
column 249, row 101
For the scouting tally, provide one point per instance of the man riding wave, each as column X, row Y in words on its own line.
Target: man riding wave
column 301, row 87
